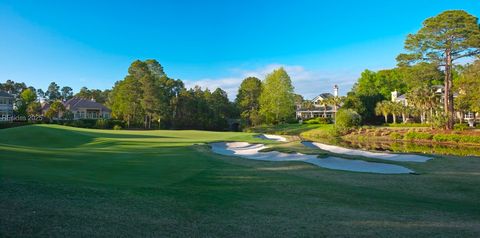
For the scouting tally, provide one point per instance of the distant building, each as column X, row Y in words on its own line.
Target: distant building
column 440, row 92
column 82, row 108
column 6, row 104
column 401, row 99
column 318, row 108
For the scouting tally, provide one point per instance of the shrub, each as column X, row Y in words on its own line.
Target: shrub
column 346, row 120
column 456, row 138
column 439, row 121
column 447, row 138
column 78, row 123
column 460, row 127
column 396, row 136
column 470, row 139
column 102, row 124
column 117, row 127
column 413, row 135
column 319, row 120
column 4, row 125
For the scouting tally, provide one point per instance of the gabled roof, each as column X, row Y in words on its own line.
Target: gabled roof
column 322, row 96
column 77, row 103
column 5, row 94
column 45, row 106
column 402, row 97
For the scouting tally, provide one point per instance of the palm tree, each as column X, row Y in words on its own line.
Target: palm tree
column 418, row 98
column 382, row 108
column 395, row 109
column 324, row 104
column 335, row 101
column 424, row 99
column 309, row 106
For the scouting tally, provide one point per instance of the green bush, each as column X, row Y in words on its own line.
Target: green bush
column 396, row 136
column 9, row 124
column 78, row 123
column 117, row 127
column 456, row 138
column 102, row 124
column 346, row 120
column 413, row 135
column 460, row 127
column 439, row 121
column 447, row 138
column 319, row 120
column 470, row 139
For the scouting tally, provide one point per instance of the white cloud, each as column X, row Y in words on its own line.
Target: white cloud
column 307, row 82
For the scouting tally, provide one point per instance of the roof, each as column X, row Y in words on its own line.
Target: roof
column 5, row 94
column 77, row 103
column 323, row 96
column 401, row 97
column 45, row 106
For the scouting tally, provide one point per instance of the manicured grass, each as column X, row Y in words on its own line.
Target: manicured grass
column 286, row 129
column 70, row 182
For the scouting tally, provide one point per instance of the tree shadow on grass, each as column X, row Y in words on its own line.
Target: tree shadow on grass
column 60, row 137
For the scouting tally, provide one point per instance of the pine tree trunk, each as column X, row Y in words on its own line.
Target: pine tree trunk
column 448, row 97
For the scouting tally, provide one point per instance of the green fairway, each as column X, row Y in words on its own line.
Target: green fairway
column 72, row 182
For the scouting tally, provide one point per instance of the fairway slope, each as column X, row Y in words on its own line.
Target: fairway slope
column 58, row 181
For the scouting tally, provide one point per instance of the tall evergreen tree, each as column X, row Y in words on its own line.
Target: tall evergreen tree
column 444, row 39
column 247, row 100
column 53, row 92
column 66, row 93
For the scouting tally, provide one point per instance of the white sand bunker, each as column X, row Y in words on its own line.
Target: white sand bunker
column 251, row 151
column 272, row 137
column 375, row 155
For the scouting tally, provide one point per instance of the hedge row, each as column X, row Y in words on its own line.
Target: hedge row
column 413, row 135
column 94, row 123
column 8, row 124
column 319, row 120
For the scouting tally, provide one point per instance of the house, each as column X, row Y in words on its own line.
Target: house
column 6, row 105
column 318, row 107
column 82, row 108
column 439, row 91
column 87, row 109
column 402, row 99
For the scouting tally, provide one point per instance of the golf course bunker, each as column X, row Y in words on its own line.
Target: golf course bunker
column 272, row 137
column 252, row 151
column 374, row 155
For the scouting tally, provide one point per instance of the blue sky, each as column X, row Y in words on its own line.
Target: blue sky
column 210, row 43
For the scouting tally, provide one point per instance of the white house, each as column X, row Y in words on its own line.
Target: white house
column 319, row 108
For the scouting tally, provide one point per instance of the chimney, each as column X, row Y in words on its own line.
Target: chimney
column 93, row 99
column 394, row 95
column 335, row 90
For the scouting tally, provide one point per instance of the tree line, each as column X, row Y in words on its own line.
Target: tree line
column 147, row 97
column 431, row 60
